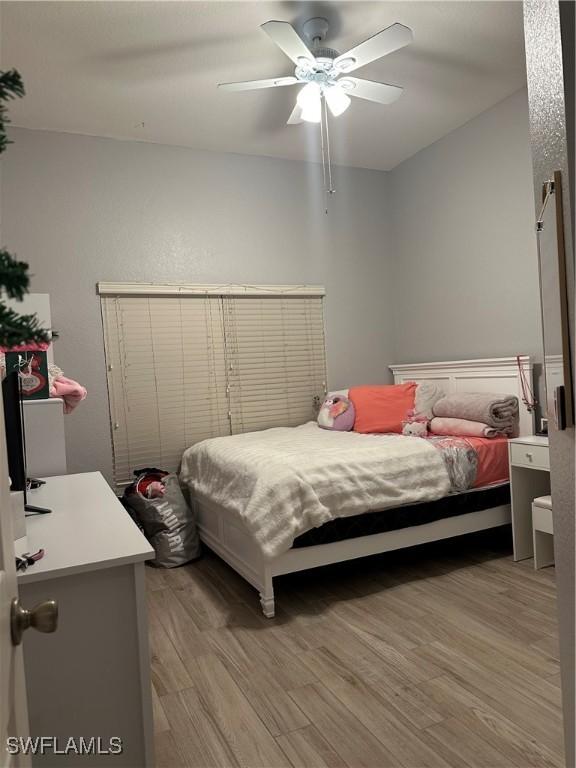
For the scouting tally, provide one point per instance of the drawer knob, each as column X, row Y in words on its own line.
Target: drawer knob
column 529, row 456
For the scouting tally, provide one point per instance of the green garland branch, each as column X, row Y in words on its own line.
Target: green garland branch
column 11, row 87
column 20, row 329
column 15, row 329
column 13, row 275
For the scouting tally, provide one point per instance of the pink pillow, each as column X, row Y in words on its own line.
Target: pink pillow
column 382, row 408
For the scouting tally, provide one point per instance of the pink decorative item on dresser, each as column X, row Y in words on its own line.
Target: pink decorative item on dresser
column 69, row 390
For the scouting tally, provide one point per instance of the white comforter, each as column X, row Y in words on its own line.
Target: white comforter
column 282, row 482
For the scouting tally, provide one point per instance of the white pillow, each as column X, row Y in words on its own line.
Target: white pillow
column 427, row 395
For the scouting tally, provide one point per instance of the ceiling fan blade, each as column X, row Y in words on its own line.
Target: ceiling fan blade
column 384, row 42
column 295, row 116
column 368, row 89
column 288, row 40
column 252, row 85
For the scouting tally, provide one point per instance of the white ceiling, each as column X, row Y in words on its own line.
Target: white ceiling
column 148, row 71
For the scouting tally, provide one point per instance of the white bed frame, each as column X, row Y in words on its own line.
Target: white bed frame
column 232, row 542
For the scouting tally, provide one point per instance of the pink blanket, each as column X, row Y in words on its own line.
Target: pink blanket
column 70, row 391
column 461, row 427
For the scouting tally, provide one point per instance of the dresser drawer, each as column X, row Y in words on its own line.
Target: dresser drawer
column 535, row 456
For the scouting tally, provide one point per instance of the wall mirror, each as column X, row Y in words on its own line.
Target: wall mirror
column 554, row 298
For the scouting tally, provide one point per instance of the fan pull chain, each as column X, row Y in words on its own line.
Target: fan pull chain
column 330, row 187
column 326, row 158
column 323, row 156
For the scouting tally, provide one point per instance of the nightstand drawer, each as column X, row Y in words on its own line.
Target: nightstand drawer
column 524, row 455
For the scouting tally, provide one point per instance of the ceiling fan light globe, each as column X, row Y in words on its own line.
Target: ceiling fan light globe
column 338, row 102
column 311, row 115
column 310, row 101
column 309, row 95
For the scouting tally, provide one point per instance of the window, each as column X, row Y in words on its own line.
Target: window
column 185, row 363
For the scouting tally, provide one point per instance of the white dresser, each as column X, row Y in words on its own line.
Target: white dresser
column 92, row 676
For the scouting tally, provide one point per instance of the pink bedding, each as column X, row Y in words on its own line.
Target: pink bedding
column 493, row 464
column 473, row 462
column 462, row 428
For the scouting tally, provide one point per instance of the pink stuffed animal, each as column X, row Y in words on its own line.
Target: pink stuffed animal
column 336, row 412
column 415, row 425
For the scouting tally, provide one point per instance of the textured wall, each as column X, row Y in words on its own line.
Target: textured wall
column 456, row 278
column 82, row 209
column 549, row 153
column 465, row 267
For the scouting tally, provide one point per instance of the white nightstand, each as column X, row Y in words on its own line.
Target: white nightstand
column 529, row 478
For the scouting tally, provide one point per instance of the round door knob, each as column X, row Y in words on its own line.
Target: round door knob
column 43, row 617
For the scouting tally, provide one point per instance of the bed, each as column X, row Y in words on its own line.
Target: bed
column 286, row 477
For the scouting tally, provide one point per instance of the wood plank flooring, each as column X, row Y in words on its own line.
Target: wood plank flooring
column 442, row 655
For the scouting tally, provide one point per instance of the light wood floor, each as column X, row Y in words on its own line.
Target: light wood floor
column 444, row 655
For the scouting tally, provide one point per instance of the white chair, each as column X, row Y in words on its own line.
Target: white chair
column 543, row 532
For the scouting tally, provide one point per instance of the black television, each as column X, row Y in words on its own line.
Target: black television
column 14, row 426
column 16, row 438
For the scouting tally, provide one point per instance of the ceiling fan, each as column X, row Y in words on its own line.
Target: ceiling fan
column 324, row 73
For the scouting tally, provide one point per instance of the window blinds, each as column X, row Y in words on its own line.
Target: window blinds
column 187, row 365
column 276, row 361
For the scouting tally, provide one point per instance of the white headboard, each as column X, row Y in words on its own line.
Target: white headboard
column 499, row 375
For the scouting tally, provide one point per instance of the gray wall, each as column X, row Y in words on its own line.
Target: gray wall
column 465, row 266
column 82, row 209
column 435, row 260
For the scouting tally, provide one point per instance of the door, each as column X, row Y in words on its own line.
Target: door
column 549, row 36
column 13, row 705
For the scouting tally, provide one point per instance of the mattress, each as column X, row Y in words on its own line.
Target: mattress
column 405, row 517
column 282, row 482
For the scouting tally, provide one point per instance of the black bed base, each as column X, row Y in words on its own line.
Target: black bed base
column 404, row 517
